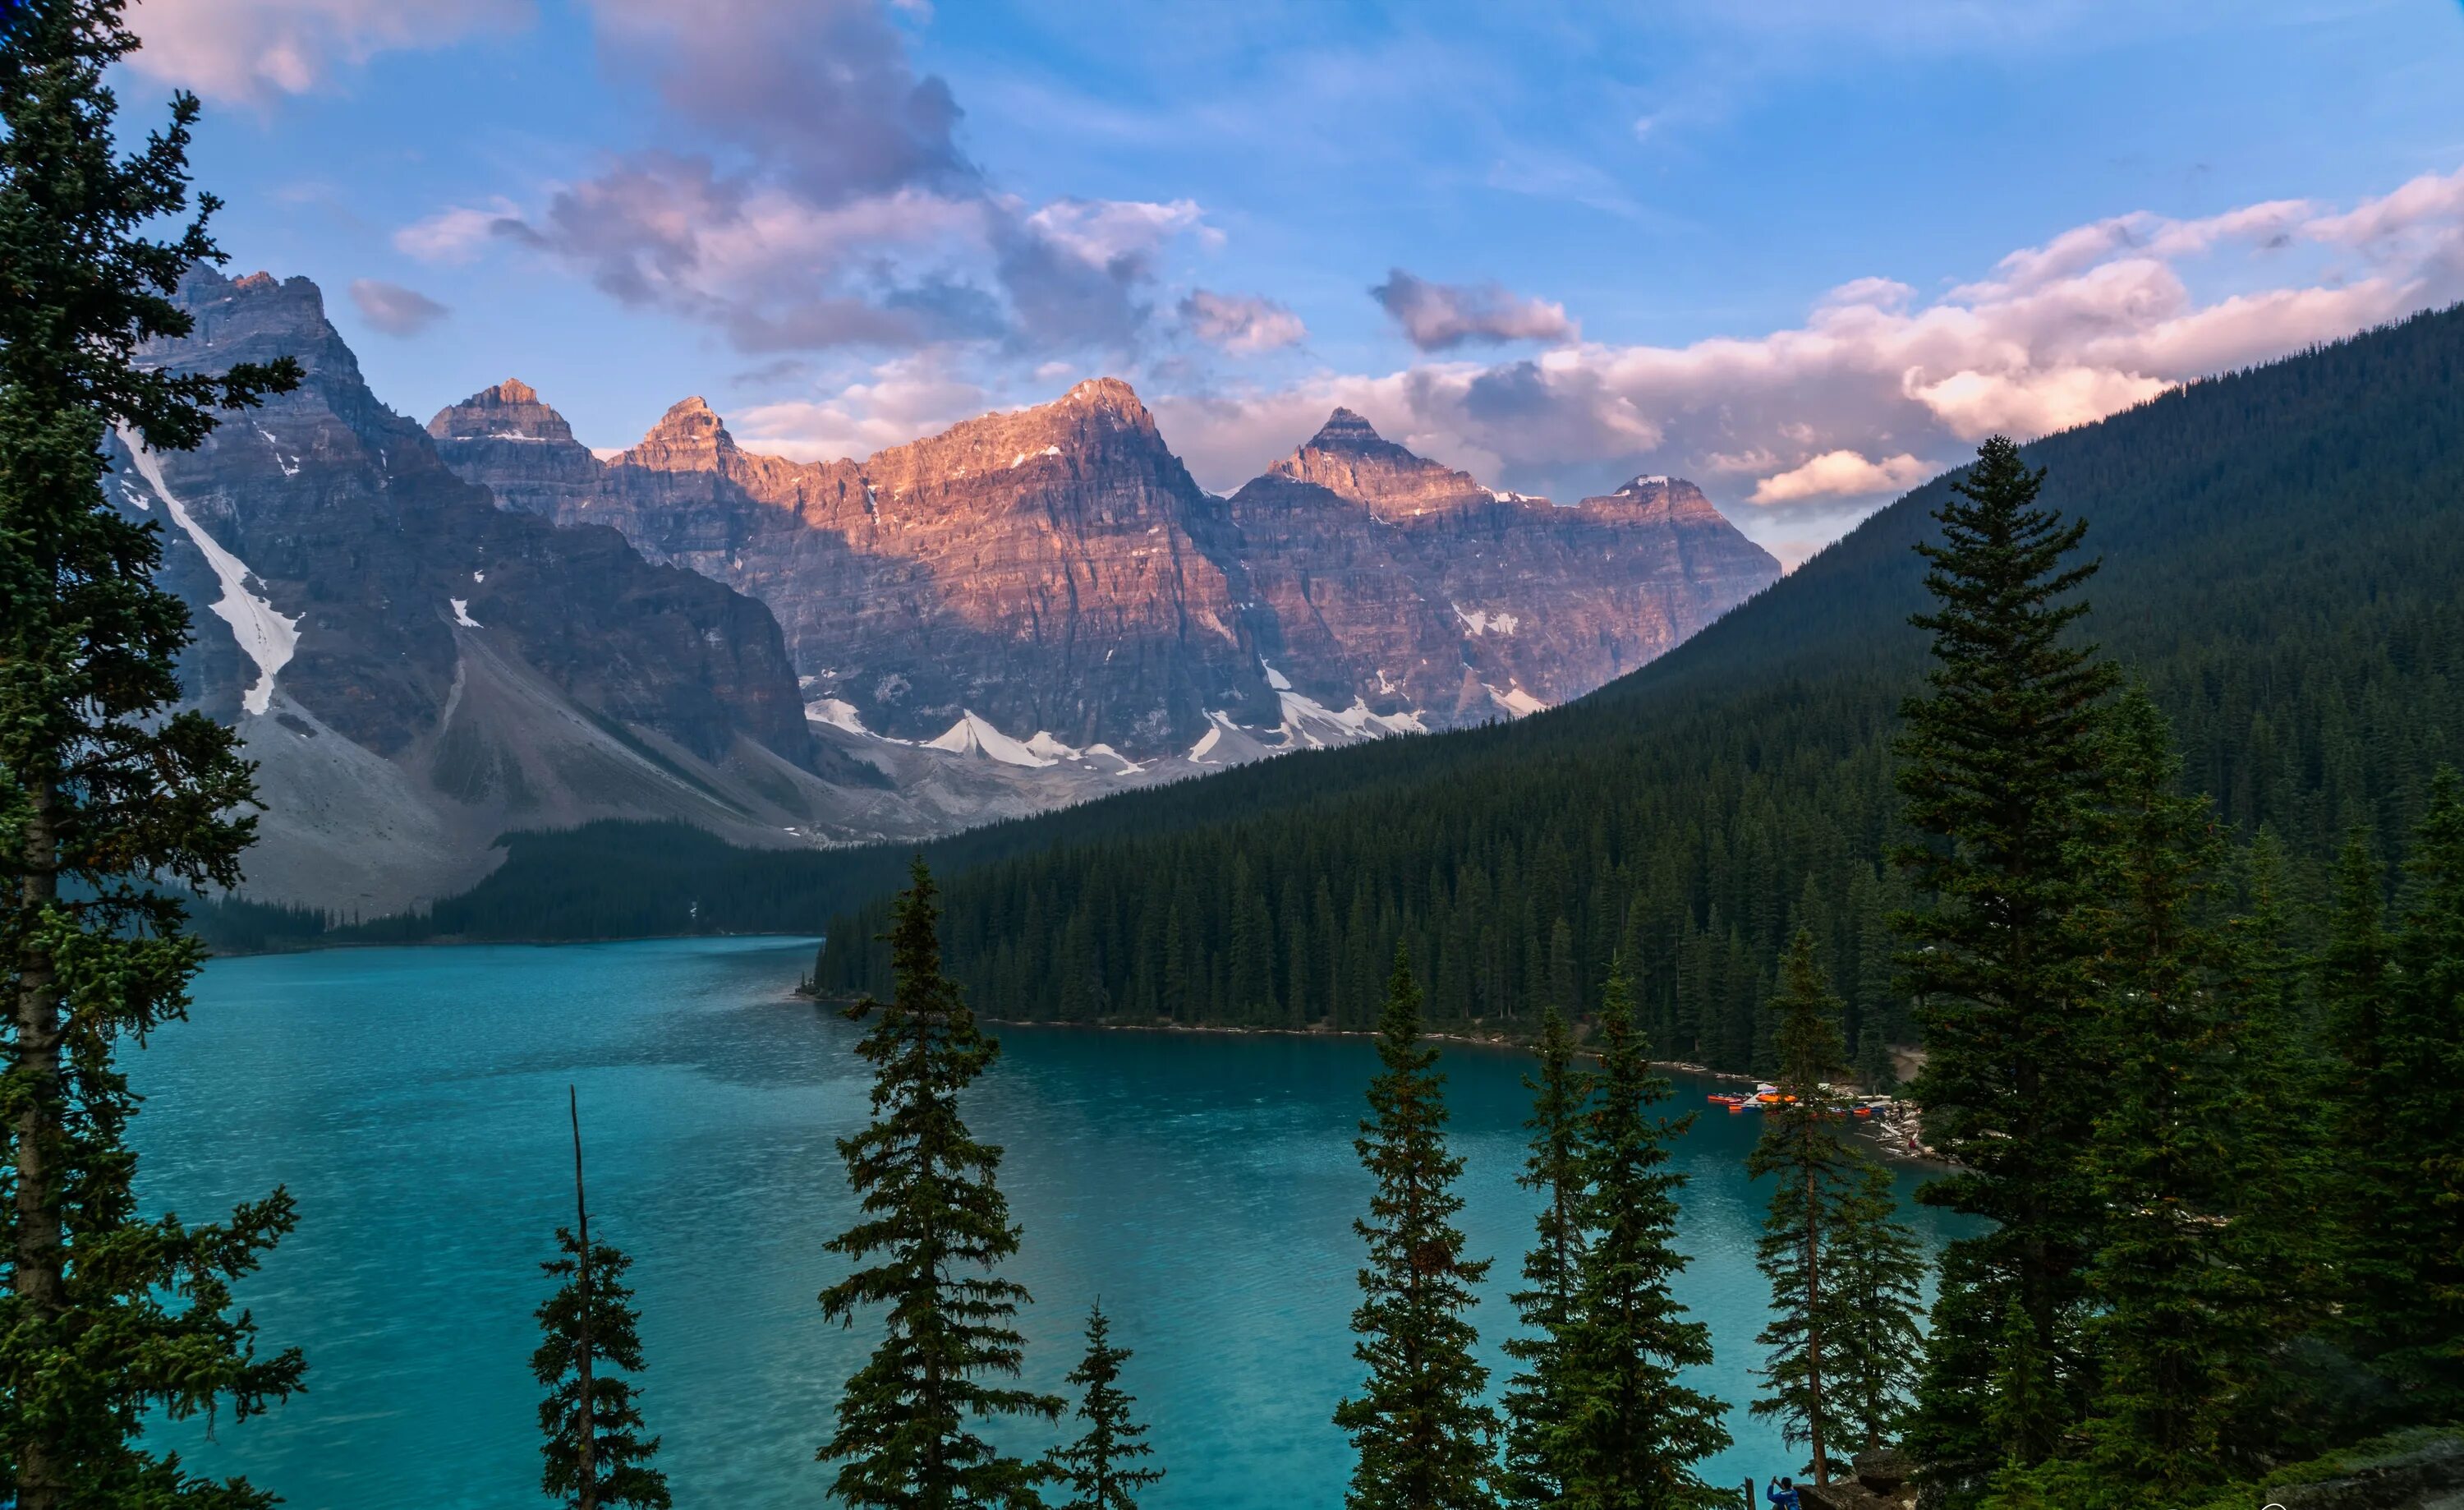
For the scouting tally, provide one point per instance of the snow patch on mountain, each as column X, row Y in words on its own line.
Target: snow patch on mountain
column 265, row 636
column 971, row 735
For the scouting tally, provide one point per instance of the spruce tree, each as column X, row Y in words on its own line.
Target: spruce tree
column 1631, row 1433
column 934, row 1230
column 1876, row 1276
column 2278, row 1183
column 1805, row 1146
column 1536, row 1397
column 109, row 1315
column 1999, row 764
column 2422, row 1326
column 2179, row 1329
column 2355, row 975
column 1423, row 1437
column 592, row 1417
column 1104, row 1469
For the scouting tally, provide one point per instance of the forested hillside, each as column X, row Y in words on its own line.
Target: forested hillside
column 2281, row 551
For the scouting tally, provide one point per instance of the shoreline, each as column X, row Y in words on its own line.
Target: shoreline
column 1890, row 1139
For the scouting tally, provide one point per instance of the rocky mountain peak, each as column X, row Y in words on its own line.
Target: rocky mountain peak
column 1653, row 495
column 1345, row 430
column 1349, row 459
column 510, row 411
column 688, row 437
column 1106, row 393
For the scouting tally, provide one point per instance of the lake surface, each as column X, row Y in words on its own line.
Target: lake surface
column 414, row 1101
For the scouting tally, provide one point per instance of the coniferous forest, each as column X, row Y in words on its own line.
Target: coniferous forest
column 2114, row 775
column 2279, row 549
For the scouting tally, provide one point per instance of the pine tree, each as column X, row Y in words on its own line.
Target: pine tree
column 1999, row 763
column 2355, row 975
column 1535, row 1398
column 1632, row 1434
column 2423, row 1224
column 1423, row 1437
column 932, row 1212
column 592, row 1418
column 1103, row 1468
column 1803, row 1144
column 1875, row 1277
column 110, row 1316
column 2179, row 1327
column 2278, row 1181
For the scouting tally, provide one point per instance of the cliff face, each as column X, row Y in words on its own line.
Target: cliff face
column 416, row 667
column 1397, row 572
column 1055, row 569
column 1039, row 569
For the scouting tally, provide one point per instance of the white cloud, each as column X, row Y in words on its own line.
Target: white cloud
column 1842, row 474
column 1240, row 322
column 900, row 400
column 1877, row 388
column 255, row 49
column 455, row 234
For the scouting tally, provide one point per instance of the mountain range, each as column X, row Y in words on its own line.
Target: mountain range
column 433, row 636
column 1053, row 578
column 2279, row 555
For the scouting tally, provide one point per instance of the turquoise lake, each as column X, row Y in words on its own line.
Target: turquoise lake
column 414, row 1101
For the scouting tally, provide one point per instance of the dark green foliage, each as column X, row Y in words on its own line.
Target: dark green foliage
column 2416, row 1322
column 1631, row 1433
column 1536, row 1397
column 937, row 1227
column 1843, row 1275
column 2282, row 548
column 1424, row 1437
column 2181, row 1326
column 1104, row 1469
column 2000, row 763
column 110, row 803
column 1874, row 1275
column 619, row 1453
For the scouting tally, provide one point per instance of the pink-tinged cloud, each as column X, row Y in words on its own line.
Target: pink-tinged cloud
column 1801, row 431
column 255, row 50
column 1842, row 474
column 393, row 309
column 1439, row 317
column 1244, row 324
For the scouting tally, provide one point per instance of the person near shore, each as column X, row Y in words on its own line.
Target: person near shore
column 1782, row 1494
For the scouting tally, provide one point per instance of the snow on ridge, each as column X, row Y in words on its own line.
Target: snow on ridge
column 1308, row 724
column 1129, row 766
column 265, row 635
column 1274, row 679
column 462, row 614
column 1043, row 744
column 837, row 713
column 1517, row 703
column 1479, row 621
column 972, row 735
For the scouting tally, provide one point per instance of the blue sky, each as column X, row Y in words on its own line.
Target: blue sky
column 1604, row 238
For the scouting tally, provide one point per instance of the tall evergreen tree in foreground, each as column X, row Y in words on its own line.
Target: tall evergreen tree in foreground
column 1843, row 1276
column 108, row 1316
column 1424, row 1437
column 2179, row 1327
column 2000, row 764
column 1105, row 1468
column 1536, row 1397
column 589, row 1338
column 936, row 1228
column 1631, row 1433
column 2417, row 1323
column 1876, row 1276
